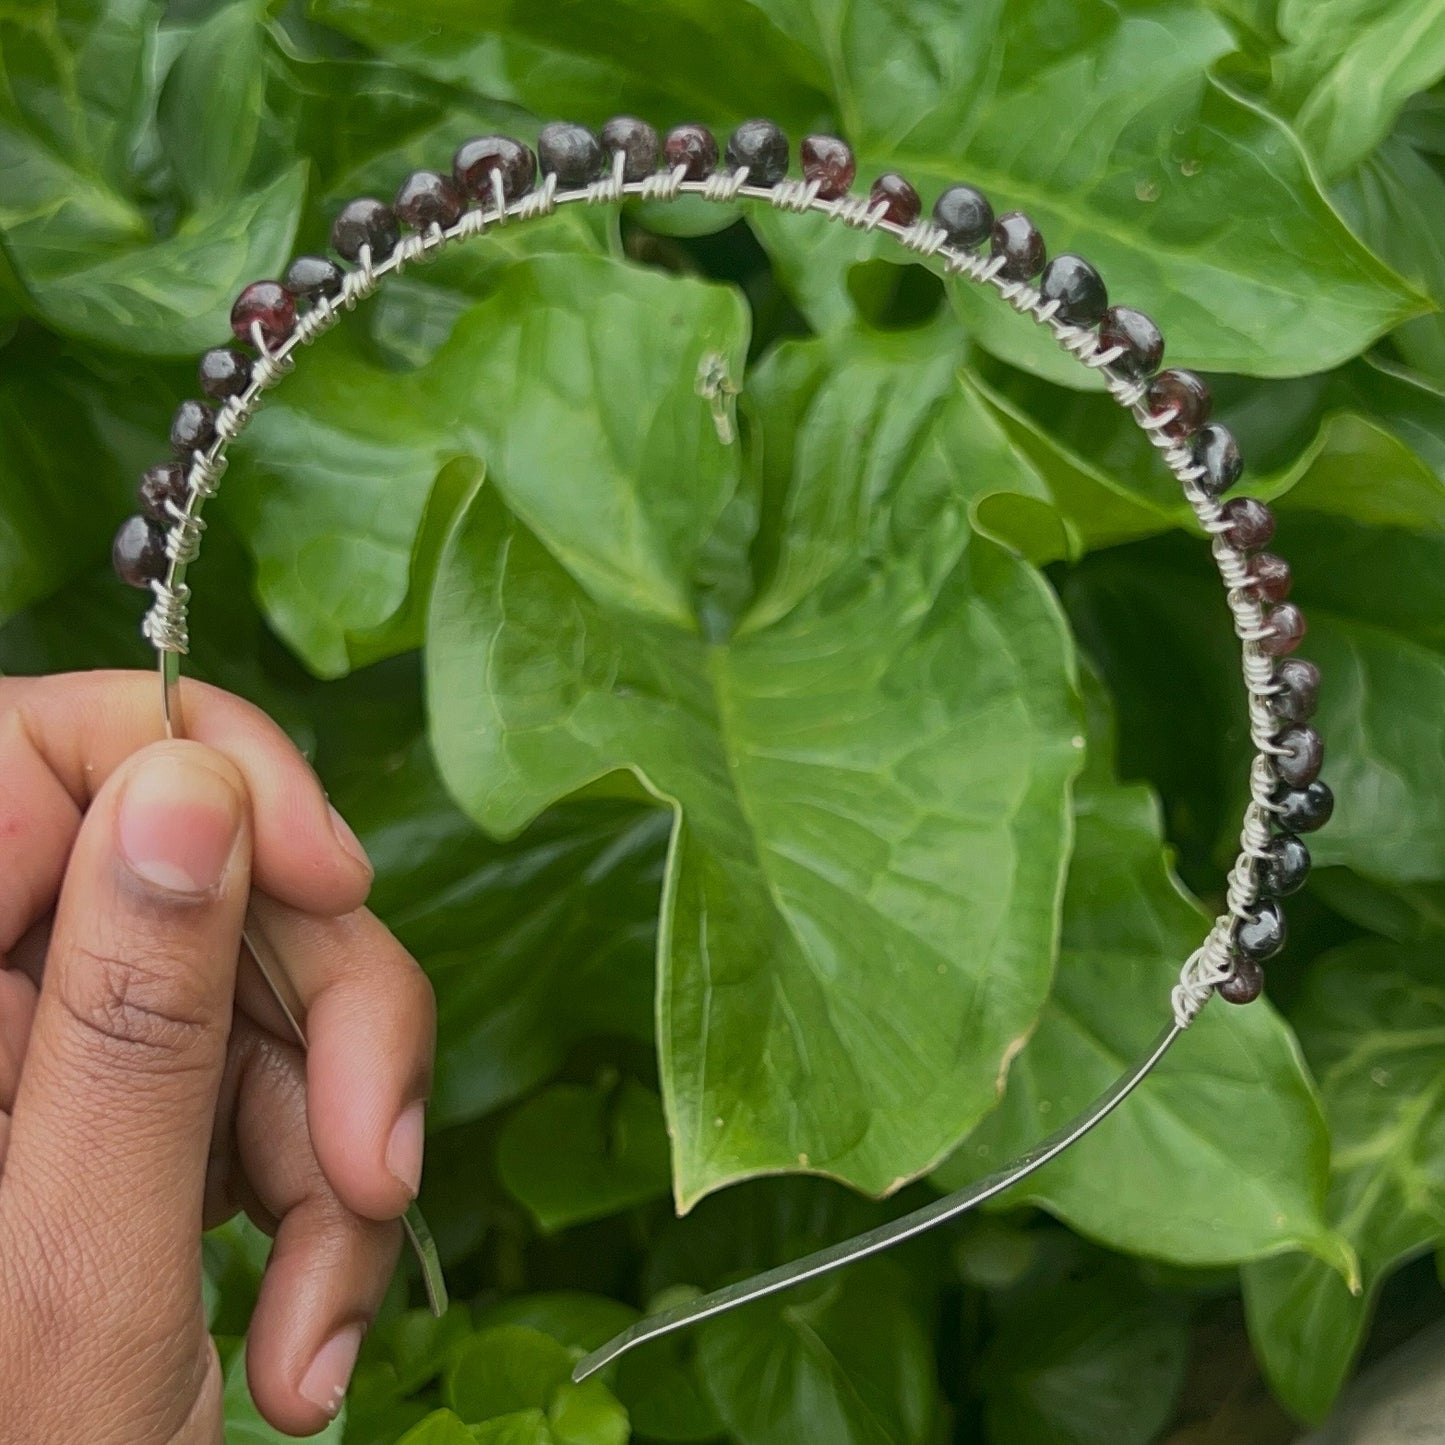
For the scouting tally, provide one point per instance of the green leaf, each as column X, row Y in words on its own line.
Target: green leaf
column 244, row 1423
column 574, row 1153
column 441, row 1427
column 579, row 1321
column 1372, row 1021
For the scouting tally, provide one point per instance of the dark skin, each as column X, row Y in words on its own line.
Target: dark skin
column 150, row 1087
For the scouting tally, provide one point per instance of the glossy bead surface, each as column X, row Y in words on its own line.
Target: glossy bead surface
column 428, row 198
column 267, row 304
column 1304, row 810
column 762, row 148
column 1249, row 524
column 1017, row 240
column 829, row 162
column 570, row 152
column 476, row 159
column 638, row 143
column 1286, row 629
column 1262, row 936
column 1184, row 397
column 159, row 485
column 896, row 192
column 1285, row 869
column 1299, row 690
column 1300, row 764
column 1269, row 577
column 1216, row 450
column 310, row 277
column 224, row 372
column 965, row 214
column 1141, row 339
column 365, row 222
column 1077, row 287
column 691, row 146
column 193, row 427
column 1244, row 985
column 138, row 553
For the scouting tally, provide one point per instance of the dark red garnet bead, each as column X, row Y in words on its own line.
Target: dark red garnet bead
column 159, row 485
column 193, row 427
column 1244, row 985
column 139, row 552
column 1216, row 450
column 224, row 372
column 476, row 159
column 1284, row 867
column 365, row 222
column 1270, row 577
column 895, row 192
column 310, row 277
column 1299, row 765
column 1286, row 625
column 426, row 199
column 638, row 143
column 1017, row 240
column 829, row 162
column 570, row 152
column 1299, row 690
column 1303, row 810
column 1183, row 394
column 762, row 148
column 691, row 146
column 267, row 304
column 1249, row 524
column 1262, row 936
column 1141, row 339
column 964, row 214
column 1077, row 287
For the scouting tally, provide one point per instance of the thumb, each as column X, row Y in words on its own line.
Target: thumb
column 112, row 1122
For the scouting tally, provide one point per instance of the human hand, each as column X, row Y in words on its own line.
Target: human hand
column 148, row 1088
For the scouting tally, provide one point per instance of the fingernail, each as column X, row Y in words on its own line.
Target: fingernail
column 324, row 1384
column 348, row 839
column 177, row 824
column 404, row 1148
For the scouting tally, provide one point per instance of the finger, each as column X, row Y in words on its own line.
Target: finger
column 329, row 1269
column 112, row 1120
column 370, row 1018
column 62, row 737
column 17, row 1010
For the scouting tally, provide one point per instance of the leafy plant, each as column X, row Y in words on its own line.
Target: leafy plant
column 811, row 800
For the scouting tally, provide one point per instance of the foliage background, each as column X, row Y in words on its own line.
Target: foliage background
column 781, row 795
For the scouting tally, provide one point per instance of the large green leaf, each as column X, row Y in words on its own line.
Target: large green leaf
column 1373, row 1023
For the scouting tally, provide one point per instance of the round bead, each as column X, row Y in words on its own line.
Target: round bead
column 159, row 485
column 1300, row 764
column 1183, row 394
column 1286, row 629
column 693, row 147
column 139, row 552
column 1299, row 690
column 1248, row 523
column 965, row 215
column 426, row 199
column 1284, row 870
column 1077, row 287
column 1304, row 810
column 895, row 192
column 365, row 222
column 762, row 148
column 267, row 304
column 224, row 372
column 638, row 143
column 476, row 159
column 310, row 277
column 193, row 427
column 570, row 152
column 1016, row 239
column 1262, row 936
column 1270, row 577
column 829, row 162
column 1244, row 985
column 1141, row 339
column 1216, row 450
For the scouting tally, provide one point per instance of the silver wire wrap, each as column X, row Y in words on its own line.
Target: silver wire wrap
column 165, row 624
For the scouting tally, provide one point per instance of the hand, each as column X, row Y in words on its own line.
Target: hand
column 147, row 1087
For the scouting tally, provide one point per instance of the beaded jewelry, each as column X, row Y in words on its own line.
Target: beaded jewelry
column 494, row 182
